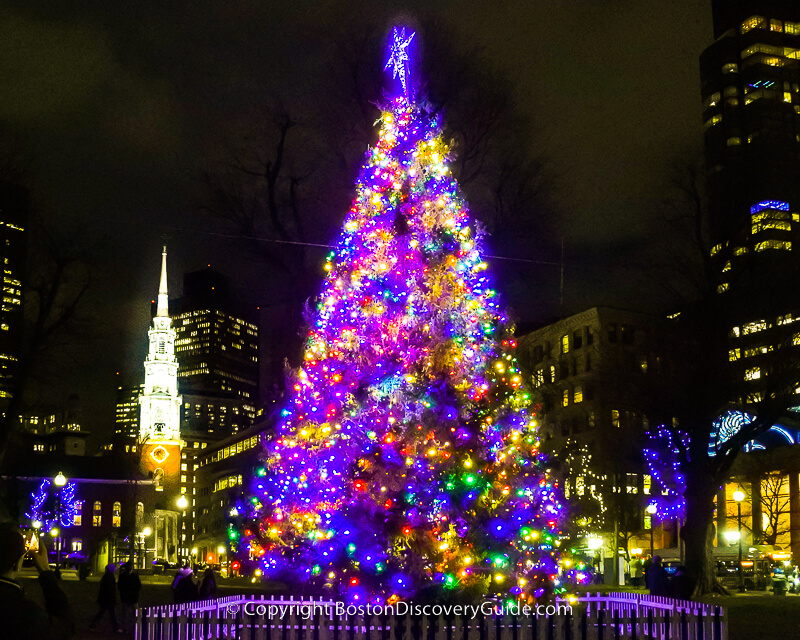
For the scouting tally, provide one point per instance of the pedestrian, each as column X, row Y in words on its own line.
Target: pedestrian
column 657, row 578
column 184, row 587
column 22, row 618
column 107, row 598
column 129, row 586
column 208, row 588
column 636, row 573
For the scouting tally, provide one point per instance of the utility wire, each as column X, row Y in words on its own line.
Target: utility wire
column 235, row 236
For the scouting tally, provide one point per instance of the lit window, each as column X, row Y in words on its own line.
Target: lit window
column 96, row 514
column 796, row 339
column 753, row 327
column 727, row 266
column 730, row 68
column 712, row 100
column 614, row 418
column 565, row 398
column 739, row 251
column 77, row 544
column 716, row 249
column 716, row 119
column 734, row 354
column 734, row 142
column 552, row 373
column 782, row 245
column 753, row 373
column 577, row 396
column 116, row 515
column 756, row 22
column 643, row 364
column 565, row 344
column 76, row 518
column 722, row 287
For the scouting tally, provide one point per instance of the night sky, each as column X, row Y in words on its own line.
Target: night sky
column 115, row 109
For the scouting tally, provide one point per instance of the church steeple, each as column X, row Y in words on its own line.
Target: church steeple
column 163, row 293
column 159, row 418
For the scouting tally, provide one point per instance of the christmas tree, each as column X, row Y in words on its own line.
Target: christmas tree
column 406, row 460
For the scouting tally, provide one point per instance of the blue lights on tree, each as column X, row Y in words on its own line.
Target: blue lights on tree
column 52, row 508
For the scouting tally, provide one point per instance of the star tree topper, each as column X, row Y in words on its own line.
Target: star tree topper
column 398, row 56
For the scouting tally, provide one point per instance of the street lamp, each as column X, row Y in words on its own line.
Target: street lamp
column 738, row 496
column 142, row 547
column 182, row 503
column 60, row 480
column 57, row 539
column 651, row 509
column 220, row 551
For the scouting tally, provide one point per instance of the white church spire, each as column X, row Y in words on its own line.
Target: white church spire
column 163, row 293
column 159, row 419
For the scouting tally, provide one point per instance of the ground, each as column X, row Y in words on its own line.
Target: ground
column 751, row 616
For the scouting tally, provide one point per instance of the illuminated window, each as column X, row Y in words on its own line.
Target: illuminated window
column 734, row 354
column 753, row 373
column 782, row 245
column 775, row 25
column 739, row 251
column 713, row 120
column 727, row 266
column 643, row 364
column 756, row 22
column 792, row 28
column 614, row 418
column 76, row 518
column 769, row 204
column 552, row 373
column 712, row 100
column 565, row 344
column 96, row 514
column 565, row 398
column 753, row 327
column 796, row 339
column 731, row 67
column 577, row 396
column 734, row 142
column 716, row 249
column 116, row 515
column 770, row 219
column 77, row 544
column 139, row 514
column 722, row 287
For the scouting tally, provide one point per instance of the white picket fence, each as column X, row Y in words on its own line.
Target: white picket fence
column 594, row 617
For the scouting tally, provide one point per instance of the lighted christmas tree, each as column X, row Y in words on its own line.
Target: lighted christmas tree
column 406, row 458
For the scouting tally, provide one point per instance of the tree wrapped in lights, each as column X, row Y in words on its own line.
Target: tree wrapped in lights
column 53, row 508
column 666, row 455
column 406, row 459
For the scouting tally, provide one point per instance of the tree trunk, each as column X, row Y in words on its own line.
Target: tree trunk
column 697, row 533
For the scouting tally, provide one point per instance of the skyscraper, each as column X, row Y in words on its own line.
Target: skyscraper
column 750, row 84
column 13, row 221
column 217, row 350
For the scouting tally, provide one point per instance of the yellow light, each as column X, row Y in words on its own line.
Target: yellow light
column 468, row 463
column 499, row 578
column 443, row 546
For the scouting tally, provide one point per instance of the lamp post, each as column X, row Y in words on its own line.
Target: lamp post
column 651, row 509
column 60, row 480
column 182, row 503
column 738, row 496
column 142, row 546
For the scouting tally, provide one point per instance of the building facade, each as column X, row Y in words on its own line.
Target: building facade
column 217, row 347
column 14, row 205
column 750, row 86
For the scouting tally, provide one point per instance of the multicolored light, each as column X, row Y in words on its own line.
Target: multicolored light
column 406, row 457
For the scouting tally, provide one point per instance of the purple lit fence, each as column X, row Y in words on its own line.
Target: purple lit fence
column 610, row 616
